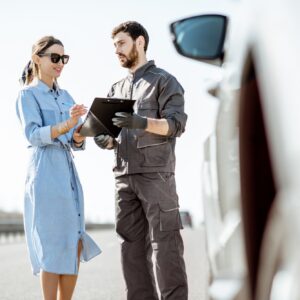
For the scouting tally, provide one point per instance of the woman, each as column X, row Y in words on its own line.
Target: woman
column 53, row 212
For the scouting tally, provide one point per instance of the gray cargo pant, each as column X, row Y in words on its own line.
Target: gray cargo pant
column 147, row 221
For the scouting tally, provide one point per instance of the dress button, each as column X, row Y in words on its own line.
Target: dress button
column 79, row 232
column 55, row 98
column 61, row 112
column 78, row 215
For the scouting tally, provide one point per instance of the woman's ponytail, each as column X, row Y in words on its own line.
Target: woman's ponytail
column 27, row 74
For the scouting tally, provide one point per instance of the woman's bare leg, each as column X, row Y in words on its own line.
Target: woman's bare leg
column 66, row 283
column 49, row 282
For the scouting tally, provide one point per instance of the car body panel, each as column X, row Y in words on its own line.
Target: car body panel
column 259, row 91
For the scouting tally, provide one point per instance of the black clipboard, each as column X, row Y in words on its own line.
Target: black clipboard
column 99, row 117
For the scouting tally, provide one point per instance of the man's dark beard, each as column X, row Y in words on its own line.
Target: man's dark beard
column 132, row 58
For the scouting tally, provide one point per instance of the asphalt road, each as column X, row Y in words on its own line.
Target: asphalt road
column 101, row 278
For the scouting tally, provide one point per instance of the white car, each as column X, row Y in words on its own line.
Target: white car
column 251, row 170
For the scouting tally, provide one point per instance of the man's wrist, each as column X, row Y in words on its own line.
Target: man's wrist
column 158, row 126
column 112, row 144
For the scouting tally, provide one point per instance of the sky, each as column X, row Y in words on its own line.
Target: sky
column 84, row 27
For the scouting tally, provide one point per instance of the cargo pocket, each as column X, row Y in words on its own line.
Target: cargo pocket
column 157, row 155
column 156, row 150
column 170, row 219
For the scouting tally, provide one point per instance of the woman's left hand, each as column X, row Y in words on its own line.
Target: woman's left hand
column 77, row 137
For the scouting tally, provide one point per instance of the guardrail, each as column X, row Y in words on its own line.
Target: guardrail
column 12, row 227
column 13, row 231
column 99, row 226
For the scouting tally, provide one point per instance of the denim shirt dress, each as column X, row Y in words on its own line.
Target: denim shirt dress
column 53, row 204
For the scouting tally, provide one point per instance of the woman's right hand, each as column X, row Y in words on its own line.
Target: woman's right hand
column 76, row 111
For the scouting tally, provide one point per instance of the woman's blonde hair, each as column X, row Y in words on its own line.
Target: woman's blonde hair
column 31, row 69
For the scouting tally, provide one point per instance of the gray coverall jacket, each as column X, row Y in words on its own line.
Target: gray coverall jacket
column 147, row 209
column 158, row 95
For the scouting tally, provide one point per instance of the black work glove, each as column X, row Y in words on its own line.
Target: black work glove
column 102, row 140
column 127, row 120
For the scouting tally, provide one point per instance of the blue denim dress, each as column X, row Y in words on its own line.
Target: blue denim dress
column 53, row 206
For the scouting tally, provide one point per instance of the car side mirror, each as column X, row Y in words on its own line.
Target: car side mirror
column 200, row 37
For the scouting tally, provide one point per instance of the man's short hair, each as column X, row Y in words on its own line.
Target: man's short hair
column 134, row 29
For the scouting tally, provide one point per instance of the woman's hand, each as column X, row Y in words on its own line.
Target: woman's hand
column 77, row 137
column 76, row 111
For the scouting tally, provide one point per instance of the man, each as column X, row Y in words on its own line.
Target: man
column 147, row 209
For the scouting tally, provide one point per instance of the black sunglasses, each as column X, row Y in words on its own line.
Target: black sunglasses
column 55, row 58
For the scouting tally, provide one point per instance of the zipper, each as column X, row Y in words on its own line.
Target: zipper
column 131, row 87
column 127, row 131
